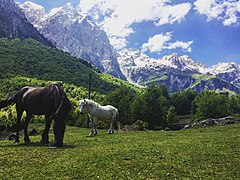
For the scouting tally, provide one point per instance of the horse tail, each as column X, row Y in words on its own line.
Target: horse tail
column 117, row 120
column 8, row 101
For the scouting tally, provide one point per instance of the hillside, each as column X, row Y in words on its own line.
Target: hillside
column 199, row 153
column 29, row 58
column 29, row 63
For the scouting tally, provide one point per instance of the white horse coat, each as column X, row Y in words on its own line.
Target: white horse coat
column 97, row 112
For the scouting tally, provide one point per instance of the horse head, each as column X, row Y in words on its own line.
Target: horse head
column 60, row 115
column 82, row 104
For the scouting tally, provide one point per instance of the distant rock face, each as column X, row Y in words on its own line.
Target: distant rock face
column 229, row 72
column 75, row 33
column 177, row 72
column 214, row 122
column 14, row 24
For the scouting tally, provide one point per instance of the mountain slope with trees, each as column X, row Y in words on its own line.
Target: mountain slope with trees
column 29, row 58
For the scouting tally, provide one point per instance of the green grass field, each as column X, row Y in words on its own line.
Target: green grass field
column 200, row 153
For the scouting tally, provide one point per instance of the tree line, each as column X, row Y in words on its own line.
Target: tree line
column 156, row 108
column 150, row 108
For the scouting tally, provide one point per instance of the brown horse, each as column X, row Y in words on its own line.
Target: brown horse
column 50, row 101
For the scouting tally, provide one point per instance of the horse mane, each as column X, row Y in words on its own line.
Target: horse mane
column 93, row 103
column 64, row 105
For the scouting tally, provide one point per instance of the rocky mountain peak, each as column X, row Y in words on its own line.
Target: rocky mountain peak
column 14, row 23
column 76, row 33
column 33, row 12
column 225, row 67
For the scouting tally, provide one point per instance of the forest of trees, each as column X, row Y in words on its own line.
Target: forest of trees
column 150, row 108
column 157, row 108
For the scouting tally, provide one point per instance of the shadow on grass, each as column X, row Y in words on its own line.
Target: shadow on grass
column 38, row 144
column 101, row 135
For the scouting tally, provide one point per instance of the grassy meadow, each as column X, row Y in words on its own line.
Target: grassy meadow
column 199, row 153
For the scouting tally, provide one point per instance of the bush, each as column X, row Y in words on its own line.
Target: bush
column 140, row 125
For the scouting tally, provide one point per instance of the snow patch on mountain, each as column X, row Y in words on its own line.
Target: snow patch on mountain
column 225, row 67
column 176, row 72
column 33, row 11
column 76, row 33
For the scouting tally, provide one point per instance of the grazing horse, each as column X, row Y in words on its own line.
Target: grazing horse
column 50, row 101
column 97, row 112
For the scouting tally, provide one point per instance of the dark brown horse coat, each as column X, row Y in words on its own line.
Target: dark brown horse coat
column 50, row 101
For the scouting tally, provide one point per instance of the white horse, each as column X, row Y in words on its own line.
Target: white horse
column 97, row 112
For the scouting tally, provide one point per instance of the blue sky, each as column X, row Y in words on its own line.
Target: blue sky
column 206, row 30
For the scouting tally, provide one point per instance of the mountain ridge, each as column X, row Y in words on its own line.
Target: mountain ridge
column 178, row 72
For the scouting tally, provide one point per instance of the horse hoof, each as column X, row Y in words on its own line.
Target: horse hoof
column 28, row 142
column 17, row 143
column 44, row 142
column 58, row 144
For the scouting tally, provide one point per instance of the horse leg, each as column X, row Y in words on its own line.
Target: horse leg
column 92, row 126
column 112, row 126
column 26, row 136
column 111, row 131
column 45, row 137
column 19, row 116
column 95, row 127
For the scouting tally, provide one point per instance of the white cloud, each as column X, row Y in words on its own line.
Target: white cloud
column 217, row 9
column 160, row 42
column 117, row 16
column 180, row 44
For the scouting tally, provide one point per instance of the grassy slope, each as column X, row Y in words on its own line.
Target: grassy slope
column 199, row 78
column 29, row 58
column 203, row 153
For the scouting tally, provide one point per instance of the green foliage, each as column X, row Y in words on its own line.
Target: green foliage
column 235, row 104
column 29, row 58
column 151, row 106
column 182, row 101
column 210, row 104
column 171, row 115
column 74, row 93
column 122, row 99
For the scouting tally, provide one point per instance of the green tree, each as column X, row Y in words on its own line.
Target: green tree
column 235, row 104
column 210, row 104
column 171, row 115
column 182, row 101
column 122, row 99
column 152, row 106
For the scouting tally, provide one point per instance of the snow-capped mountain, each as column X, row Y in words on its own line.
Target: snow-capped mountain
column 229, row 71
column 14, row 24
column 78, row 34
column 33, row 11
column 73, row 32
column 177, row 72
